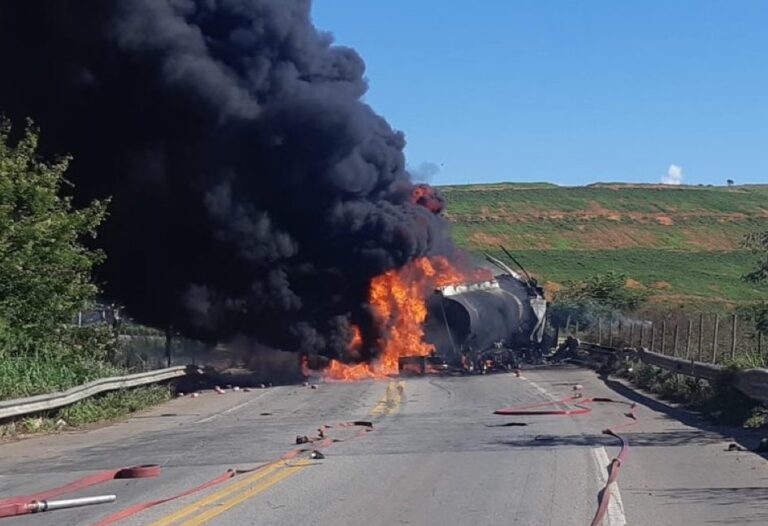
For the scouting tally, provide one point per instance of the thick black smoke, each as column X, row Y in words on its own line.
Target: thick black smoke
column 253, row 191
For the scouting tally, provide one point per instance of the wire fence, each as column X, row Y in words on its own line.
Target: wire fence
column 705, row 337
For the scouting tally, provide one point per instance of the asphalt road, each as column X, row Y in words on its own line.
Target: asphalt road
column 436, row 455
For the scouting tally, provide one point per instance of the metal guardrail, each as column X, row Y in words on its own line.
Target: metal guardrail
column 46, row 402
column 751, row 382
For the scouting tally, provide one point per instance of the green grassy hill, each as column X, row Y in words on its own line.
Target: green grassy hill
column 683, row 242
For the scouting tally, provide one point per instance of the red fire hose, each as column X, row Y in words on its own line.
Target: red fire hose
column 581, row 408
column 25, row 504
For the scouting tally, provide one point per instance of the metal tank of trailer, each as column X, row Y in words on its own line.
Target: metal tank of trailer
column 508, row 311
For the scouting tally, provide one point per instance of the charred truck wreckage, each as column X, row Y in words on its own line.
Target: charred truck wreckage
column 483, row 325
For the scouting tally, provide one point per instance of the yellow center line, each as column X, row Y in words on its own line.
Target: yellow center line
column 222, row 493
column 262, row 486
column 239, row 491
column 390, row 402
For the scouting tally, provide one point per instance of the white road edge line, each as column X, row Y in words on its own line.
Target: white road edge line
column 226, row 411
column 615, row 513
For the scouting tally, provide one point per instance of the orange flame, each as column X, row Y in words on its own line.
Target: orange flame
column 398, row 298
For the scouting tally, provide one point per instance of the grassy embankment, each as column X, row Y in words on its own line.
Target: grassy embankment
column 681, row 243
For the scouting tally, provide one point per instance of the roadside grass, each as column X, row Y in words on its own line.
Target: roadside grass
column 682, row 242
column 691, row 277
column 719, row 402
column 29, row 375
column 103, row 408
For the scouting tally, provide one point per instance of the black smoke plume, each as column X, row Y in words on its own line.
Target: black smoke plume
column 254, row 192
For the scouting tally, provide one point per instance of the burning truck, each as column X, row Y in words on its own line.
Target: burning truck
column 483, row 325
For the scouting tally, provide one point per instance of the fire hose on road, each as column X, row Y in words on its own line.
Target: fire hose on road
column 38, row 502
column 580, row 407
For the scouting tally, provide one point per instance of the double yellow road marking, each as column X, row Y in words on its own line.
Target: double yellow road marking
column 242, row 489
column 215, row 504
column 391, row 400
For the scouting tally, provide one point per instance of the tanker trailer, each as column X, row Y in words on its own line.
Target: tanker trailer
column 472, row 320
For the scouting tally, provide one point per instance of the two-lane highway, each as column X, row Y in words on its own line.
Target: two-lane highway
column 436, row 455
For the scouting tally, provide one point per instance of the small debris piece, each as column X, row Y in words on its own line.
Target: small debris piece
column 362, row 423
column 236, row 388
column 306, row 384
column 246, row 390
column 265, row 414
column 180, row 395
column 316, row 455
column 219, row 390
column 321, row 433
column 263, row 386
column 734, row 447
column 578, row 387
column 302, row 439
column 195, row 395
column 313, row 386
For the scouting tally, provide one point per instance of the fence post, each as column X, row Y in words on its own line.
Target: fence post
column 568, row 325
column 714, row 338
column 168, row 337
column 610, row 332
column 653, row 336
column 760, row 343
column 734, row 323
column 701, row 335
column 631, row 332
column 688, row 340
column 576, row 330
column 663, row 336
column 674, row 344
column 599, row 331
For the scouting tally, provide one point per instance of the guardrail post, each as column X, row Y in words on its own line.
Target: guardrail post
column 663, row 336
column 734, row 322
column 714, row 338
column 688, row 340
column 701, row 336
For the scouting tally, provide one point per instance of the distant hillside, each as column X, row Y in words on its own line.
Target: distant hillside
column 682, row 242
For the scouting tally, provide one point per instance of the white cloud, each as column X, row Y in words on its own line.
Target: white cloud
column 674, row 175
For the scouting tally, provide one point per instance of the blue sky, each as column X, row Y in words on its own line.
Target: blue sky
column 570, row 92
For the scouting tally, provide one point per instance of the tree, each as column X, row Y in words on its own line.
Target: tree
column 730, row 182
column 45, row 270
column 757, row 242
column 601, row 295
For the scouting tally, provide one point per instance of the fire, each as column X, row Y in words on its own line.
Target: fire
column 426, row 196
column 398, row 298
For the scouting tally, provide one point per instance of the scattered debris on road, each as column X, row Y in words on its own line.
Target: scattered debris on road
column 316, row 455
